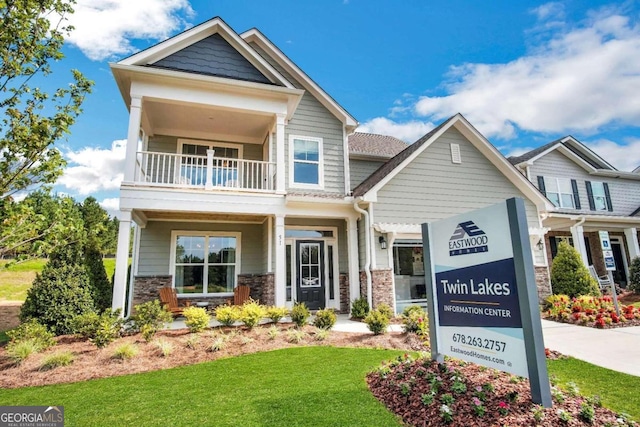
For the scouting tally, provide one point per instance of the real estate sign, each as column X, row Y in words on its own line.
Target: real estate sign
column 607, row 252
column 483, row 304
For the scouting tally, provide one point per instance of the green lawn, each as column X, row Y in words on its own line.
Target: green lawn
column 618, row 391
column 16, row 280
column 306, row 386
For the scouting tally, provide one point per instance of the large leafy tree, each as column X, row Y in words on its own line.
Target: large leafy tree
column 31, row 37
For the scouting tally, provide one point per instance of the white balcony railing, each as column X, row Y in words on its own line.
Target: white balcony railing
column 181, row 170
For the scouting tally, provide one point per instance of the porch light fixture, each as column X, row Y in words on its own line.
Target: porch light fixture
column 540, row 245
column 383, row 242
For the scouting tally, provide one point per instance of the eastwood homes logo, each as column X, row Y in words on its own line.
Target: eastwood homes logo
column 468, row 239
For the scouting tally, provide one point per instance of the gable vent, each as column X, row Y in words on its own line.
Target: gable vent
column 455, row 153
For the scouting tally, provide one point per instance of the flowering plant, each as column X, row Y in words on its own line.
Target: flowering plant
column 478, row 407
column 503, row 407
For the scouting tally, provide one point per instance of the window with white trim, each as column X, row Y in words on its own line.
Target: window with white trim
column 305, row 165
column 205, row 263
column 560, row 192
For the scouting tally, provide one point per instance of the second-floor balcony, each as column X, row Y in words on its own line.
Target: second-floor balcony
column 204, row 172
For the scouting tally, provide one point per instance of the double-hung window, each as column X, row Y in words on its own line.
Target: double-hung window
column 305, row 165
column 205, row 263
column 562, row 192
column 599, row 197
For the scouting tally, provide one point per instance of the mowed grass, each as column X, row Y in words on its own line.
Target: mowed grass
column 618, row 391
column 305, row 386
column 16, row 280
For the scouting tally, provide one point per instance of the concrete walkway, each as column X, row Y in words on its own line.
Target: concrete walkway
column 617, row 349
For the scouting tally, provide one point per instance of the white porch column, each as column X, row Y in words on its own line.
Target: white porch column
column 631, row 235
column 281, row 271
column 577, row 232
column 354, row 264
column 280, row 160
column 122, row 261
column 135, row 116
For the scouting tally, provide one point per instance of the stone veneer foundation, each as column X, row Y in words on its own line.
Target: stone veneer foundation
column 381, row 286
column 345, row 300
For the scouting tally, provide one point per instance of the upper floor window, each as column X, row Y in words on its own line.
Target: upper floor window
column 305, row 165
column 562, row 192
column 599, row 197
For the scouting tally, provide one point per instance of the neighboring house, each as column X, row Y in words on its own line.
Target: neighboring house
column 589, row 195
column 240, row 169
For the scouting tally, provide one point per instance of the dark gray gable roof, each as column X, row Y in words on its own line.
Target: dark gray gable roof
column 393, row 163
column 569, row 146
column 212, row 56
column 374, row 145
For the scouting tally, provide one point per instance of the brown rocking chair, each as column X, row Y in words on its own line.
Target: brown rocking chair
column 240, row 295
column 169, row 299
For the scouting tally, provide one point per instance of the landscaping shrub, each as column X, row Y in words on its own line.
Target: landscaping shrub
column 299, row 314
column 165, row 347
column 149, row 317
column 569, row 276
column 386, row 310
column 99, row 285
column 56, row 360
column 251, row 313
column 296, row 336
column 59, row 293
column 634, row 275
column 33, row 331
column 125, row 352
column 227, row 315
column 325, row 319
column 276, row 313
column 359, row 308
column 197, row 318
column 100, row 329
column 19, row 351
column 377, row 322
column 414, row 319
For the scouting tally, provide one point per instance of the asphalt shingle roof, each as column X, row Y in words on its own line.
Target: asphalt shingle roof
column 371, row 144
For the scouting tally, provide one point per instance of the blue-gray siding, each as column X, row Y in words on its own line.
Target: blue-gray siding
column 361, row 169
column 213, row 56
column 625, row 193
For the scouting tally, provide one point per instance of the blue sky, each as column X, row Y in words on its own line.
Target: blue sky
column 523, row 72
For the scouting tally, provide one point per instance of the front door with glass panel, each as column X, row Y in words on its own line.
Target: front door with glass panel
column 310, row 283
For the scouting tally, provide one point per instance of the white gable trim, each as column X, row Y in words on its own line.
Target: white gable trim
column 482, row 145
column 573, row 156
column 257, row 37
column 200, row 32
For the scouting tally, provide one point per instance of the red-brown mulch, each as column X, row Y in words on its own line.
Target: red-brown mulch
column 402, row 387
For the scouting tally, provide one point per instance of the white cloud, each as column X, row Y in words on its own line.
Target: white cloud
column 578, row 80
column 112, row 206
column 104, row 28
column 408, row 131
column 95, row 169
column 623, row 157
column 551, row 10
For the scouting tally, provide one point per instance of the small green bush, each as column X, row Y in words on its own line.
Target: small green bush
column 414, row 319
column 634, row 275
column 377, row 322
column 276, row 313
column 197, row 319
column 100, row 329
column 19, row 351
column 569, row 276
column 227, row 315
column 125, row 352
column 165, row 347
column 299, row 314
column 295, row 336
column 325, row 319
column 386, row 310
column 150, row 317
column 321, row 334
column 273, row 332
column 31, row 330
column 251, row 313
column 359, row 308
column 56, row 360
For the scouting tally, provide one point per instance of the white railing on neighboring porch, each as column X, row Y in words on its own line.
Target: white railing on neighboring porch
column 208, row 172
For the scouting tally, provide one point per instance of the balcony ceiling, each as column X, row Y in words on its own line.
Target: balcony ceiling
column 205, row 122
